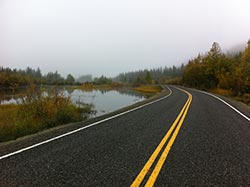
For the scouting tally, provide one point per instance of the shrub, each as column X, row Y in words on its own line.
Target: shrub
column 37, row 112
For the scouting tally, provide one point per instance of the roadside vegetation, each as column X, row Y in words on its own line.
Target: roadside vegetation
column 37, row 112
column 225, row 74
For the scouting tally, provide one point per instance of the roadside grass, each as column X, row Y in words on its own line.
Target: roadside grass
column 37, row 112
column 8, row 116
column 223, row 92
column 148, row 89
column 245, row 98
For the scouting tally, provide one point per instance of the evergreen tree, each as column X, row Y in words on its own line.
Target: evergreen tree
column 148, row 77
column 70, row 79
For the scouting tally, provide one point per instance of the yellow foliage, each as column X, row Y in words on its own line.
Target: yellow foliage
column 148, row 89
column 35, row 114
column 220, row 91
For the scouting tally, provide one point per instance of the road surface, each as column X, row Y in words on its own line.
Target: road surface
column 186, row 139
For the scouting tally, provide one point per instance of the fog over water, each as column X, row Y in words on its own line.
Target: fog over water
column 112, row 36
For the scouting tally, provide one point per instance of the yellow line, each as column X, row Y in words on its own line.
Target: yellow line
column 165, row 153
column 152, row 158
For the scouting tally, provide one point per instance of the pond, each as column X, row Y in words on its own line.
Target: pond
column 106, row 101
column 102, row 101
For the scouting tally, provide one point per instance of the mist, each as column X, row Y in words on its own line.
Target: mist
column 108, row 37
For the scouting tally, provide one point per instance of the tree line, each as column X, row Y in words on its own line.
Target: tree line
column 17, row 78
column 13, row 78
column 156, row 75
column 217, row 70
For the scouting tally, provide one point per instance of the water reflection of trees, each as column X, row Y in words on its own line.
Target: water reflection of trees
column 12, row 96
column 122, row 91
column 69, row 90
column 9, row 95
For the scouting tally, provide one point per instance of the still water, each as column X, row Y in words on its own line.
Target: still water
column 102, row 101
column 106, row 101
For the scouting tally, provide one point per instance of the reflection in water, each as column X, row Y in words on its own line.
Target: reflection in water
column 9, row 97
column 103, row 101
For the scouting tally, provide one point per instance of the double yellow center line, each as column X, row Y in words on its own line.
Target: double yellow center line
column 176, row 128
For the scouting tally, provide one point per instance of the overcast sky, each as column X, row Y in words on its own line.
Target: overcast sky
column 112, row 36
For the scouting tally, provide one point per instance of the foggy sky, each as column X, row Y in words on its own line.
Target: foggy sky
column 112, row 36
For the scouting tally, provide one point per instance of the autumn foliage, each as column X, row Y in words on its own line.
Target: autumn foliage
column 227, row 73
column 37, row 112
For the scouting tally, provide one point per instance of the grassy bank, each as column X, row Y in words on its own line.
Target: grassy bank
column 148, row 89
column 113, row 85
column 91, row 86
column 244, row 98
column 37, row 112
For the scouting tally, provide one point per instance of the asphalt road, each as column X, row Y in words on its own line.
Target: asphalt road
column 212, row 148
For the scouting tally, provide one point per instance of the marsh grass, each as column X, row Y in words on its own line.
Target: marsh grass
column 37, row 112
column 91, row 86
column 148, row 89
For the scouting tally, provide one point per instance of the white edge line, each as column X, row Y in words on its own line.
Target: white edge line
column 236, row 110
column 82, row 128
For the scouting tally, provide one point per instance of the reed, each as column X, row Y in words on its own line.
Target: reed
column 148, row 89
column 37, row 112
